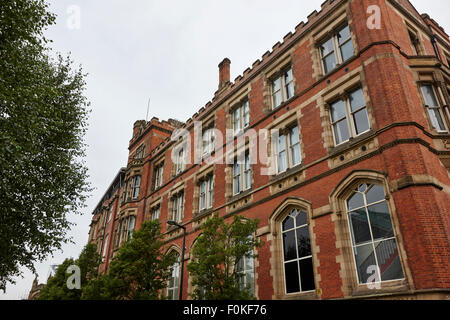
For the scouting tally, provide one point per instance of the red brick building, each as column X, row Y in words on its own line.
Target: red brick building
column 357, row 200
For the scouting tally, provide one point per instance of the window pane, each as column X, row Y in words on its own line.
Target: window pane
column 276, row 84
column 288, row 223
column 380, row 221
column 281, row 143
column 338, row 110
column 361, row 121
column 277, row 99
column 307, row 275
column 291, row 273
column 282, row 165
column 389, row 260
column 357, row 100
column 301, row 219
column 296, row 155
column 329, row 63
column 359, row 227
column 429, row 95
column 327, row 47
column 356, row 201
column 290, row 90
column 248, row 179
column 303, row 242
column 344, row 34
column 289, row 245
column 436, row 119
column 365, row 258
column 375, row 194
column 294, row 135
column 347, row 50
column 341, row 131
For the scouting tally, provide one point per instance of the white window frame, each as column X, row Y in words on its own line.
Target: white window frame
column 180, row 163
column 208, row 141
column 241, row 117
column 136, row 187
column 440, row 99
column 175, row 274
column 178, row 207
column 336, row 48
column 245, row 170
column 283, row 86
column 130, row 226
column 159, row 175
column 206, row 189
column 349, row 117
column 155, row 212
column 287, row 136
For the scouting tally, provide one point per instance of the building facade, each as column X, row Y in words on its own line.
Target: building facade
column 350, row 178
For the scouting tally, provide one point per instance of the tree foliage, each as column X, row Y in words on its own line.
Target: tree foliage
column 56, row 287
column 43, row 119
column 140, row 270
column 215, row 255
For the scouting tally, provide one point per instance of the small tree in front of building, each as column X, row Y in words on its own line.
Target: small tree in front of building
column 140, row 270
column 215, row 255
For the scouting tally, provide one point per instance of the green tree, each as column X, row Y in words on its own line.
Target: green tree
column 215, row 256
column 43, row 119
column 56, row 287
column 140, row 270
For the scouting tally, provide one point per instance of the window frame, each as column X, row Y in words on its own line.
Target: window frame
column 351, row 125
column 136, row 187
column 245, row 171
column 438, row 97
column 178, row 206
column 395, row 236
column 288, row 149
column 244, row 111
column 209, row 133
column 176, row 283
column 208, row 193
column 155, row 211
column 284, row 86
column 336, row 47
column 158, row 172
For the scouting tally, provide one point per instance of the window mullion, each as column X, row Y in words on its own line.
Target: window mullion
column 350, row 120
column 337, row 50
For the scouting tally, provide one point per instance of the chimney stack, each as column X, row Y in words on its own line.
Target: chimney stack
column 224, row 72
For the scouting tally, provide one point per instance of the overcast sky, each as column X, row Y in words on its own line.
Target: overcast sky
column 167, row 51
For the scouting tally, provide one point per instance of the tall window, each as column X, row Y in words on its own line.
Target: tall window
column 282, row 87
column 206, row 193
column 208, row 141
column 159, row 175
column 180, row 161
column 241, row 117
column 434, row 108
column 105, row 247
column 174, row 279
column 288, row 149
column 297, row 256
column 373, row 238
column 337, row 49
column 242, row 175
column 155, row 212
column 349, row 117
column 130, row 228
column 178, row 207
column 136, row 186
column 246, row 266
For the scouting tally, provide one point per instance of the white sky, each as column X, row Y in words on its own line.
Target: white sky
column 167, row 51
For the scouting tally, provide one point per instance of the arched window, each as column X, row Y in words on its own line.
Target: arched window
column 373, row 239
column 174, row 279
column 297, row 256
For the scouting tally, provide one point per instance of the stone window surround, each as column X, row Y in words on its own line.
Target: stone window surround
column 328, row 29
column 341, row 90
column 417, row 47
column 276, row 249
column 430, row 78
column 348, row 272
column 278, row 70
